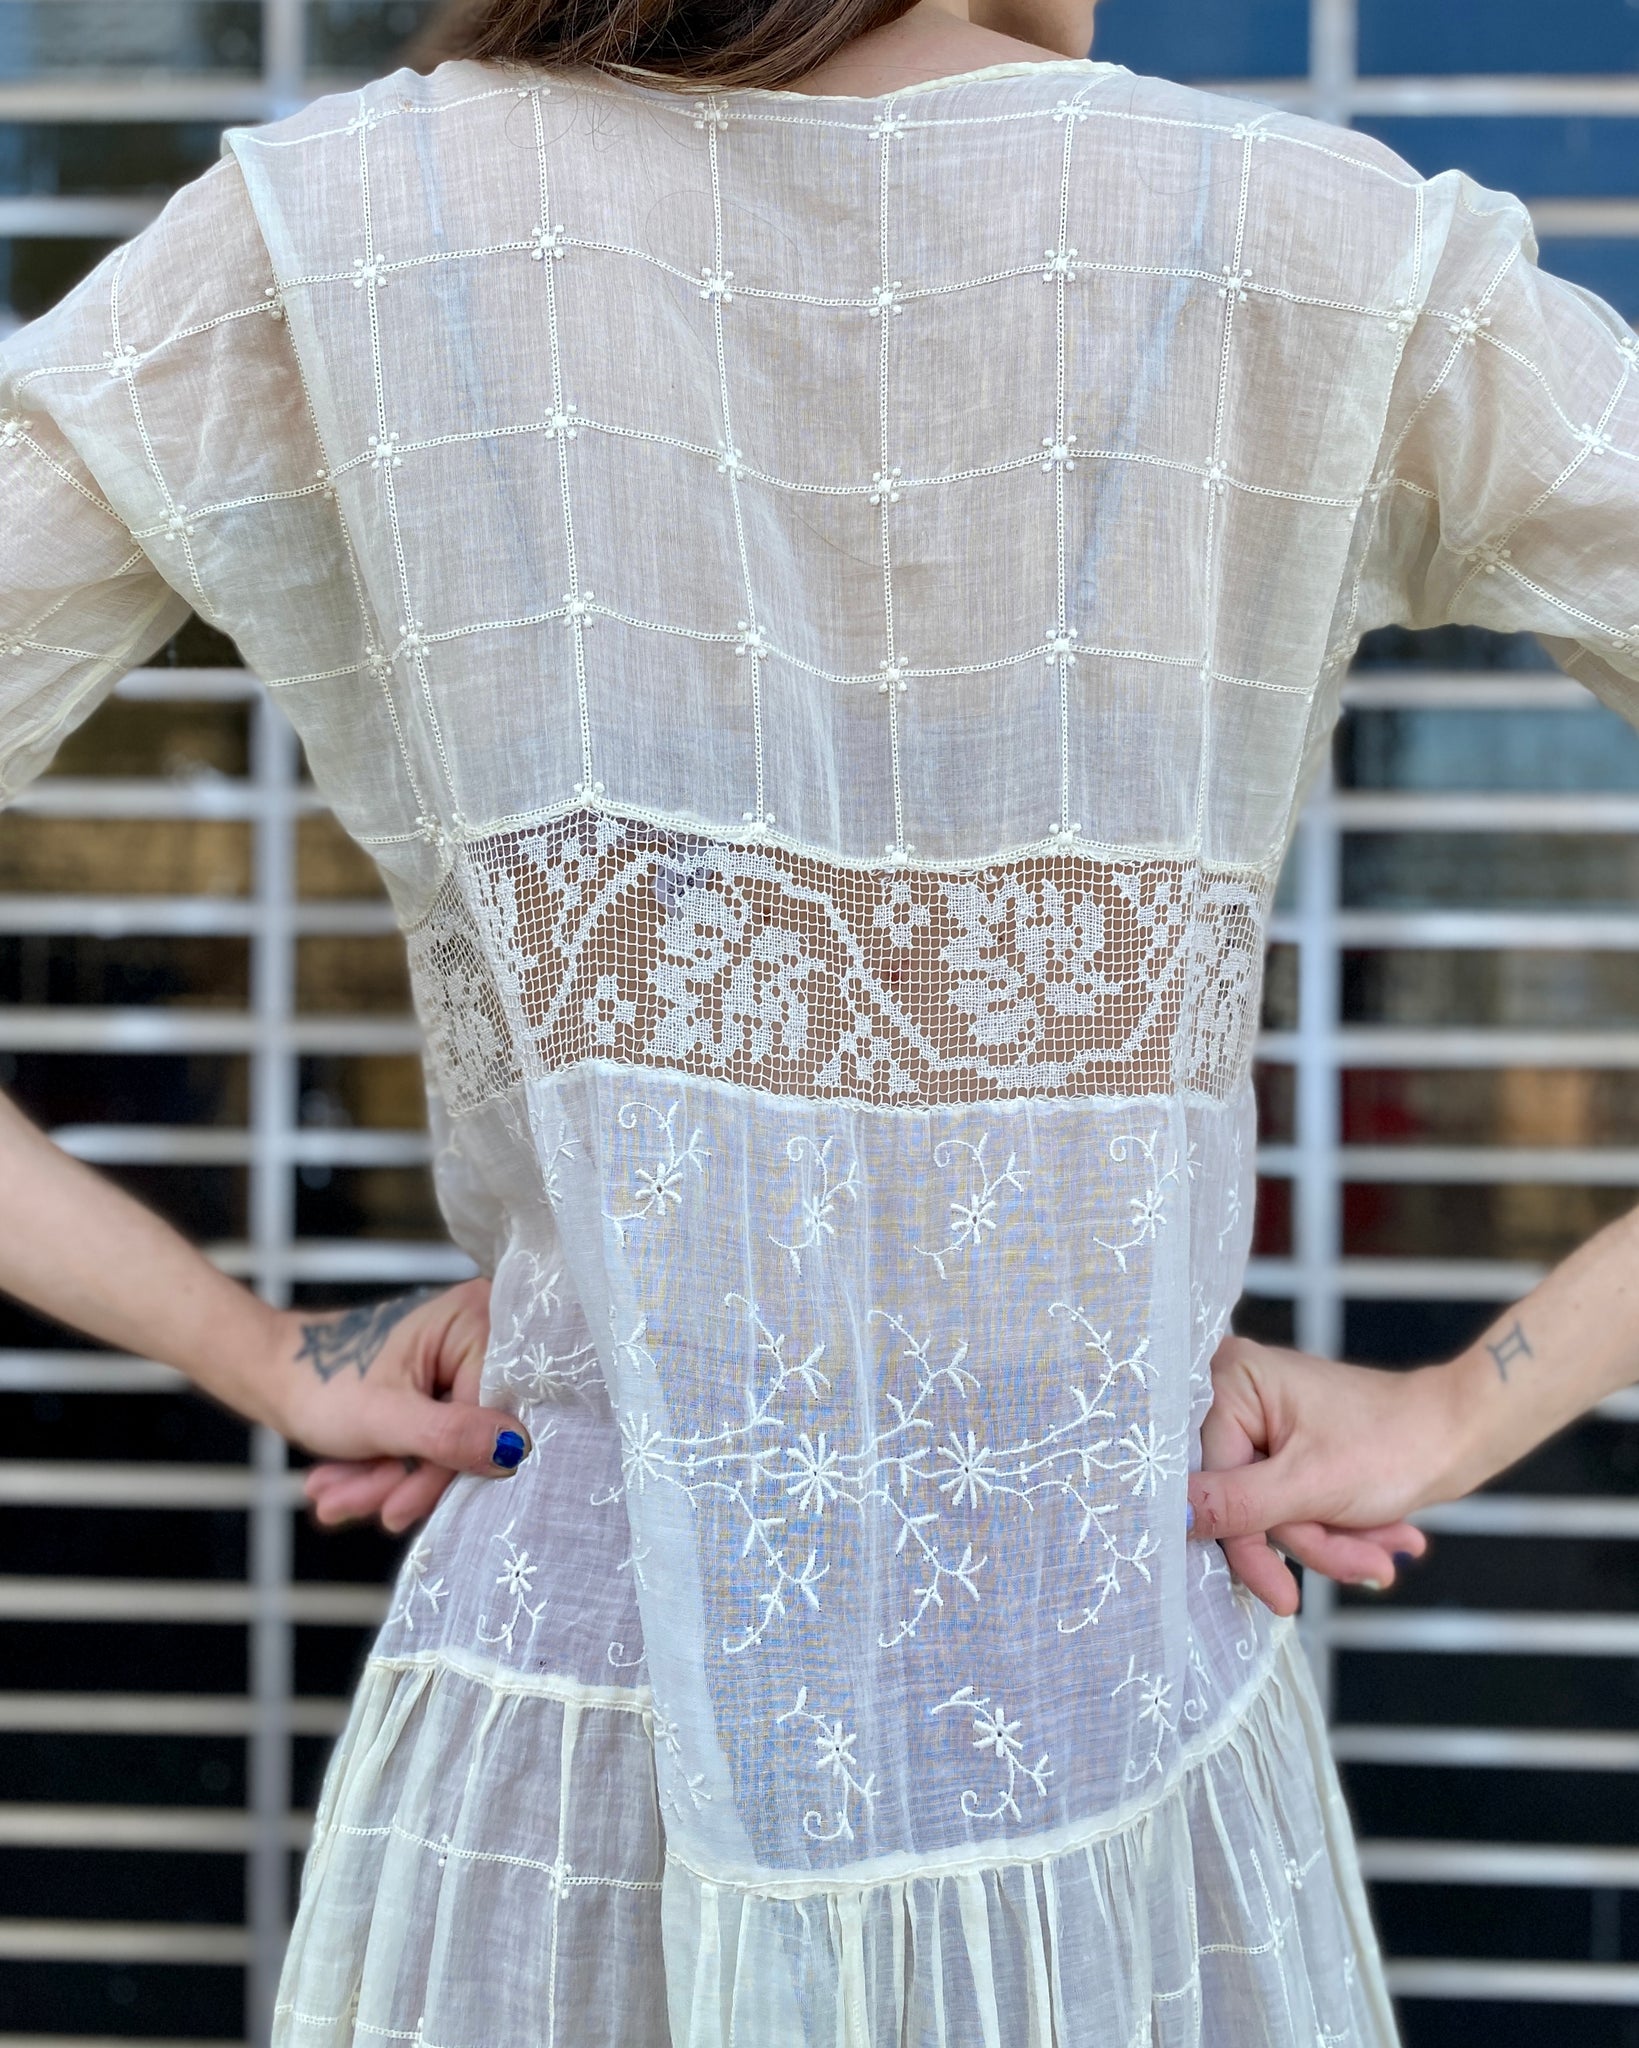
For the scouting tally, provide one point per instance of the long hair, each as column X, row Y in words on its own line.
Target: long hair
column 682, row 45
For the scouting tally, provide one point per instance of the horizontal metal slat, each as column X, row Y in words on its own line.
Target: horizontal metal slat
column 120, row 917
column 192, row 1600
column 366, row 1260
column 1471, row 93
column 26, row 1029
column 1510, row 1863
column 86, row 1371
column 1497, row 1280
column 108, row 217
column 1464, row 690
column 193, row 796
column 1465, row 1631
column 1395, row 1046
column 200, row 1145
column 67, row 1825
column 1464, row 810
column 1533, row 1749
column 119, row 1942
column 156, row 1713
column 1472, row 931
column 92, row 1484
column 1485, row 1165
column 1522, row 1514
column 1517, row 1983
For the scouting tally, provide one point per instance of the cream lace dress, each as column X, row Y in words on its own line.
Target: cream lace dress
column 823, row 611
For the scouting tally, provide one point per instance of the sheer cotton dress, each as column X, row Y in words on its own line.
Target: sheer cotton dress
column 823, row 611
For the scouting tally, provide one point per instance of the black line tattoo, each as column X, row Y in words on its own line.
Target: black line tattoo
column 1507, row 1349
column 356, row 1337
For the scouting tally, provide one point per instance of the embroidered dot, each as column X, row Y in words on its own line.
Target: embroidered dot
column 364, row 120
column 326, row 483
column 577, row 607
column 1628, row 350
column 898, row 855
column 1062, row 835
column 547, row 241
column 178, row 525
column 1596, row 441
column 894, row 676
column 715, row 286
column 17, row 647
column 759, row 821
column 378, row 661
column 121, row 362
column 273, row 302
column 1216, row 479
column 711, row 113
column 1468, row 326
column 13, row 430
column 886, row 126
column 1072, row 111
column 1235, row 285
column 729, row 462
column 1403, row 315
column 1058, row 452
column 561, row 425
column 559, row 1877
column 1490, row 557
column 885, row 299
column 589, row 792
column 413, row 640
column 384, row 452
column 1058, row 263
column 1626, row 642
column 1061, row 645
column 1250, row 131
column 885, row 486
column 367, row 270
column 752, row 640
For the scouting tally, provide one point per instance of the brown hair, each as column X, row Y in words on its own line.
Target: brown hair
column 675, row 44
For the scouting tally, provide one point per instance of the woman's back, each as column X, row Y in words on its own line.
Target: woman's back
column 823, row 610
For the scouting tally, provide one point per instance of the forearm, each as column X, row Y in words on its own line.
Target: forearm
column 1570, row 1342
column 80, row 1249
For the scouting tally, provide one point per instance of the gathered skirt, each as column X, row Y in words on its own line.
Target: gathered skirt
column 489, row 1869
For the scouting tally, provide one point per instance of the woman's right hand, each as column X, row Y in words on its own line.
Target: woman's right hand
column 1323, row 1459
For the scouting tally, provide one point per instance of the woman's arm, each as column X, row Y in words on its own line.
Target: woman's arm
column 1299, row 1449
column 396, row 1381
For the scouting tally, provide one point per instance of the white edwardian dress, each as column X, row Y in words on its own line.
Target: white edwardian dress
column 823, row 610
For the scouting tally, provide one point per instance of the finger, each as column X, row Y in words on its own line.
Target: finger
column 413, row 1498
column 359, row 1494
column 1261, row 1571
column 1245, row 1500
column 454, row 1434
column 1342, row 1554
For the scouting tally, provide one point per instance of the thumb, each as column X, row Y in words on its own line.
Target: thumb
column 1244, row 1500
column 454, row 1434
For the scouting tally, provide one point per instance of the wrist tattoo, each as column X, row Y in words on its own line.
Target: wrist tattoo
column 356, row 1337
column 1509, row 1347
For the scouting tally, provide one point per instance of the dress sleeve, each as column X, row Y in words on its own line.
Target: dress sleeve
column 1508, row 483
column 80, row 600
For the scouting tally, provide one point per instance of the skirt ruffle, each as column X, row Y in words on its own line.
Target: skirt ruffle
column 488, row 1870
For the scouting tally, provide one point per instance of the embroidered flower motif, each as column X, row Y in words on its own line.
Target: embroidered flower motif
column 994, row 1735
column 886, row 299
column 364, row 120
column 14, row 428
column 378, row 661
column 178, row 526
column 1059, row 263
column 752, row 640
column 711, row 113
column 273, row 302
column 1072, row 111
column 822, row 1190
column 716, row 286
column 326, row 483
column 121, row 362
column 1059, row 454
column 1490, row 557
column 368, row 270
column 975, row 1210
column 1626, row 641
column 729, row 462
column 889, row 124
column 1064, row 835
column 658, row 1182
column 1235, row 285
column 1403, row 315
column 1468, row 325
column 1596, row 440
column 1061, row 646
column 1216, row 479
column 561, row 425
column 894, row 675
column 759, row 821
column 384, row 452
column 972, row 1469
column 885, row 486
column 545, row 240
column 577, row 612
column 834, row 1758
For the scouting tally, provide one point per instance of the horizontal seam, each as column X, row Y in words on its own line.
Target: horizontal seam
column 615, row 1699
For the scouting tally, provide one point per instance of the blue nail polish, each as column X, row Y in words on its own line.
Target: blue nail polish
column 1189, row 1516
column 1405, row 1557
column 509, row 1449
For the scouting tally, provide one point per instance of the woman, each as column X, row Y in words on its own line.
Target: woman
column 818, row 552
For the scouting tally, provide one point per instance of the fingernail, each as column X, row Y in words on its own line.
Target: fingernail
column 1371, row 1585
column 1405, row 1557
column 1189, row 1516
column 509, row 1449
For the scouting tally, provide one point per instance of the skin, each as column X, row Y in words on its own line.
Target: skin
column 1308, row 1456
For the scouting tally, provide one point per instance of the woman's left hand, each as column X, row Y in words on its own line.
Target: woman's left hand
column 1323, row 1459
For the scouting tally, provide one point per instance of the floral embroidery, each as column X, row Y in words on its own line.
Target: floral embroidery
column 658, row 1186
column 820, row 1195
column 1149, row 1209
column 974, row 1214
column 994, row 1734
column 834, row 1746
column 517, row 1577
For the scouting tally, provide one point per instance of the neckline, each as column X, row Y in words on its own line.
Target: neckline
column 1014, row 67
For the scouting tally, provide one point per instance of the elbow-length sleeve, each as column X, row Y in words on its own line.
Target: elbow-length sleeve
column 1507, row 490
column 81, row 602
